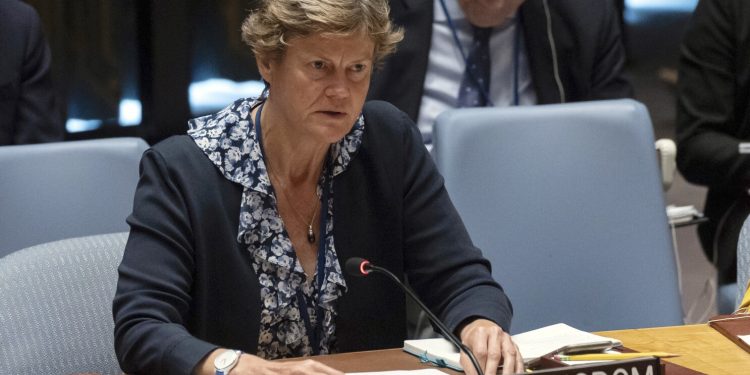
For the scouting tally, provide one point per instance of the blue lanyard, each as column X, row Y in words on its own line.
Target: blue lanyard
column 314, row 332
column 516, row 57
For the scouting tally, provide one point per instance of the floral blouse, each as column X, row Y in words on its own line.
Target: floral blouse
column 230, row 141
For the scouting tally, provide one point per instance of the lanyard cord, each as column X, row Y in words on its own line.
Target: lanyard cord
column 314, row 332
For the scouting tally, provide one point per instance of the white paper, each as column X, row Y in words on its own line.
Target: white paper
column 745, row 338
column 401, row 372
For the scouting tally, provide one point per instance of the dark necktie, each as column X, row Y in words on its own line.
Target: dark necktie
column 475, row 85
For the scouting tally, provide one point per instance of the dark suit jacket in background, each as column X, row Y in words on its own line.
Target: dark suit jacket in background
column 187, row 285
column 713, row 117
column 27, row 99
column 587, row 37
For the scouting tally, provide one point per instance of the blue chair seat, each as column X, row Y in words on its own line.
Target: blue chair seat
column 56, row 310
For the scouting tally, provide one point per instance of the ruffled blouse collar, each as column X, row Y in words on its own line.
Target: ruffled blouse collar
column 229, row 139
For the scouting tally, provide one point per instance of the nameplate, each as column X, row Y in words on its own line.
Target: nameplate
column 640, row 366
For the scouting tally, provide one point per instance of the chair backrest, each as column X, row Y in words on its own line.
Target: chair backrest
column 56, row 310
column 566, row 202
column 60, row 190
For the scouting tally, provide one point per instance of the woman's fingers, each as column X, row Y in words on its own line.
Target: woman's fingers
column 491, row 346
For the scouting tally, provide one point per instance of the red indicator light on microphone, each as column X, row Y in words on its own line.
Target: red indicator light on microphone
column 363, row 267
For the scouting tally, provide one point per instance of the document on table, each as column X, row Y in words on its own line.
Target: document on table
column 560, row 338
column 401, row 372
column 745, row 338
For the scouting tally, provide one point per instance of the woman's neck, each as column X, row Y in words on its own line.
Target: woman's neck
column 290, row 157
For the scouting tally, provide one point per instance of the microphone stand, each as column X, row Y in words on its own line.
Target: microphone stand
column 434, row 319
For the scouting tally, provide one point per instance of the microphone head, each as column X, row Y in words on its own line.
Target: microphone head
column 358, row 267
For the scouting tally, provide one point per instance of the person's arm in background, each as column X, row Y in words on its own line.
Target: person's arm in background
column 37, row 118
column 607, row 78
column 707, row 124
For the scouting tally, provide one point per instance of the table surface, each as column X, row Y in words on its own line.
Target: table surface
column 376, row 360
column 701, row 348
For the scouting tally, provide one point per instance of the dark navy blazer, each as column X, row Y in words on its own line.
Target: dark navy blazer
column 186, row 285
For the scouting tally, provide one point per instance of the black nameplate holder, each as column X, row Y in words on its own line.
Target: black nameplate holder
column 639, row 366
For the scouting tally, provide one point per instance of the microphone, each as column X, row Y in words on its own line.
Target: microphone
column 360, row 267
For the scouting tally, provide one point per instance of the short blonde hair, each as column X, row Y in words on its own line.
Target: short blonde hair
column 268, row 28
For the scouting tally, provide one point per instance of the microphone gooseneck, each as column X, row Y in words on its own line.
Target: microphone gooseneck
column 360, row 267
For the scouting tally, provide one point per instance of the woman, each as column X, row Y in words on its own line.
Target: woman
column 239, row 229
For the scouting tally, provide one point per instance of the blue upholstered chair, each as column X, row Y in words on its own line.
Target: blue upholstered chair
column 59, row 190
column 56, row 310
column 566, row 201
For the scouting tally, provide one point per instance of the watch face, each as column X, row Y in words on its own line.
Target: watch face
column 225, row 359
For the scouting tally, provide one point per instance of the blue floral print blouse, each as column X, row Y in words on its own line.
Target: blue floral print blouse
column 230, row 141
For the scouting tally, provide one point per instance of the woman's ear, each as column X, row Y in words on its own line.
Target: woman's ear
column 264, row 68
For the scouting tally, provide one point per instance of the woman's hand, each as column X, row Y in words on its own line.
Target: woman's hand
column 249, row 364
column 490, row 345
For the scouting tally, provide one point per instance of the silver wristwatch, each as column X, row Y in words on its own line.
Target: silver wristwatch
column 226, row 361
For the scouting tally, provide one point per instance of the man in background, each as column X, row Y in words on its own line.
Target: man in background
column 28, row 113
column 713, row 123
column 519, row 52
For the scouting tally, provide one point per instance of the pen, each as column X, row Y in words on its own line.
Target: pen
column 610, row 356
